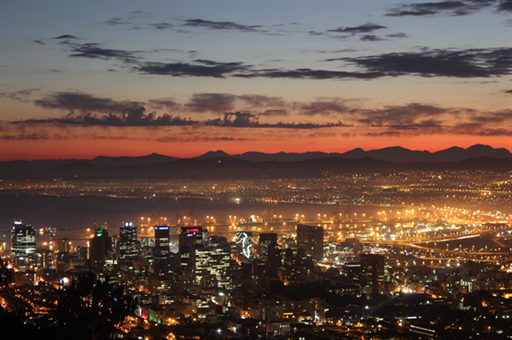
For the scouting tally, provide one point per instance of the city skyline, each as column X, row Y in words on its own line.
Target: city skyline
column 180, row 79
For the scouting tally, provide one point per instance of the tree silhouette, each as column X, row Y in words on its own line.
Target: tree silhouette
column 92, row 308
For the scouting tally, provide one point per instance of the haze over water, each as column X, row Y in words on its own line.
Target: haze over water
column 72, row 215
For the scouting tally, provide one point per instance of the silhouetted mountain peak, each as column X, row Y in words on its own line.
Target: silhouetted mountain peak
column 213, row 154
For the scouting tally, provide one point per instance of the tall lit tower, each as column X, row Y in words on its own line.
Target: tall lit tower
column 244, row 246
column 128, row 243
column 311, row 239
column 23, row 245
column 161, row 242
column 267, row 240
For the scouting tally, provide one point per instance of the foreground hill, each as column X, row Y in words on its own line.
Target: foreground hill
column 234, row 168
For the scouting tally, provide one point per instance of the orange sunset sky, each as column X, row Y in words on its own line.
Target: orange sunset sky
column 184, row 78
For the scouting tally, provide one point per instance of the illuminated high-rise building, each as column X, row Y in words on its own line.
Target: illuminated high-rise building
column 190, row 238
column 128, row 244
column 101, row 244
column 162, row 235
column 65, row 245
column 372, row 273
column 244, row 246
column 23, row 245
column 43, row 258
column 212, row 265
column 311, row 240
column 267, row 240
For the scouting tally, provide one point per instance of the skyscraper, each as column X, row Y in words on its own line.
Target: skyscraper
column 101, row 244
column 65, row 245
column 244, row 246
column 311, row 239
column 23, row 245
column 212, row 264
column 190, row 238
column 161, row 242
column 372, row 273
column 267, row 240
column 128, row 243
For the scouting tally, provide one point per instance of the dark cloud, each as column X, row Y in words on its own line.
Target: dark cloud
column 202, row 139
column 162, row 25
column 504, row 6
column 220, row 25
column 66, row 36
column 257, row 101
column 167, row 103
column 247, row 120
column 492, row 117
column 211, row 102
column 21, row 96
column 129, row 117
column 366, row 28
column 117, row 21
column 346, row 50
column 439, row 63
column 274, row 113
column 406, row 115
column 453, row 8
column 397, row 35
column 306, row 73
column 508, row 91
column 205, row 69
column 38, row 42
column 323, row 107
column 138, row 117
column 83, row 102
column 478, row 130
column 371, row 37
column 94, row 51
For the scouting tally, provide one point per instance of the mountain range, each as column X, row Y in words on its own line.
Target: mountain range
column 257, row 164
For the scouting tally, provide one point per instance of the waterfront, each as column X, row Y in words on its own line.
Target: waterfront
column 72, row 215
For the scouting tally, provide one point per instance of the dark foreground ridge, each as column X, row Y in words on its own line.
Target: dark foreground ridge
column 234, row 168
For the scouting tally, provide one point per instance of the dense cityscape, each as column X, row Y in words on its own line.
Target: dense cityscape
column 432, row 262
column 256, row 170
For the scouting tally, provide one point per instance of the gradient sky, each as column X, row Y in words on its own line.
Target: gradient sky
column 180, row 78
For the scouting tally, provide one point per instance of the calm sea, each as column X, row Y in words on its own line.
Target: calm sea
column 73, row 215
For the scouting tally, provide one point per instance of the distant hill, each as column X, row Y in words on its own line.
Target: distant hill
column 233, row 168
column 219, row 164
column 395, row 154
column 154, row 158
column 99, row 161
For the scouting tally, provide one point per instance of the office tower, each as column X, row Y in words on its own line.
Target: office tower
column 43, row 258
column 211, row 266
column 190, row 238
column 23, row 245
column 162, row 236
column 372, row 273
column 311, row 239
column 65, row 245
column 100, row 245
column 45, row 238
column 244, row 246
column 128, row 244
column 266, row 241
column 274, row 261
